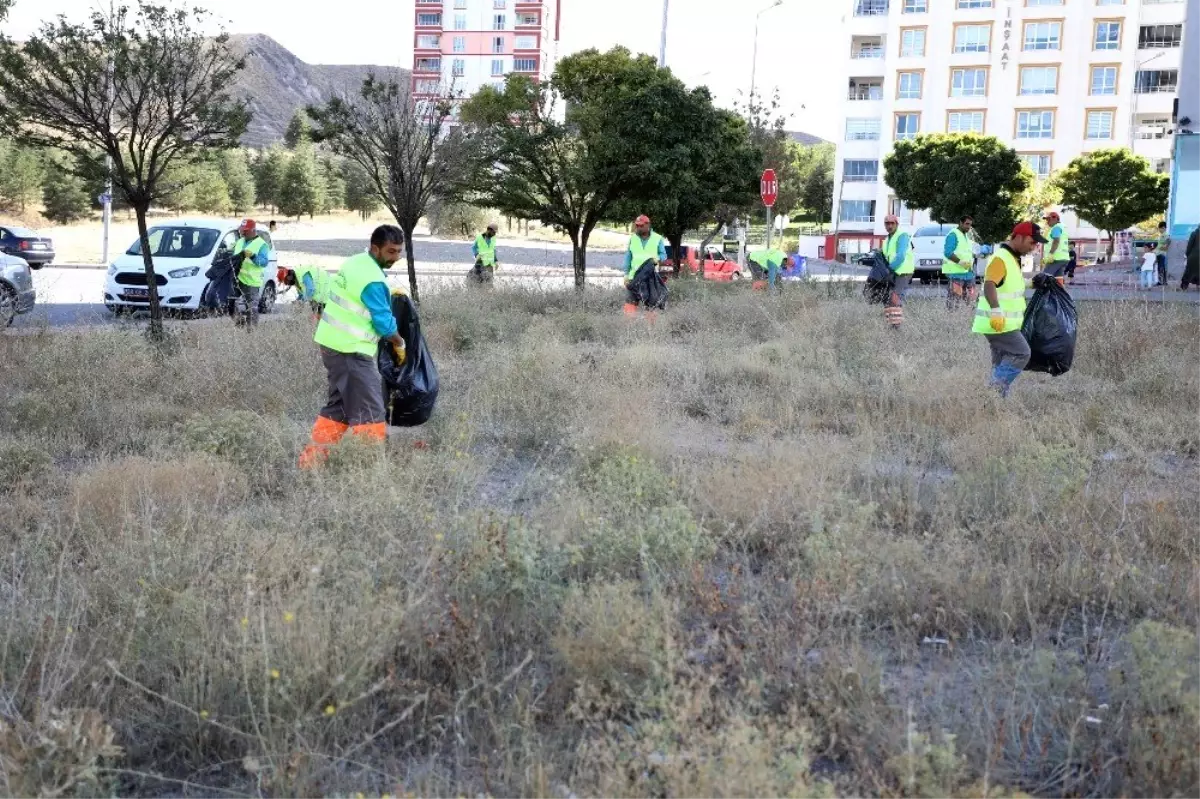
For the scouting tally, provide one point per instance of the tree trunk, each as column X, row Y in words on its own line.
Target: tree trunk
column 412, row 264
column 703, row 256
column 676, row 253
column 579, row 256
column 156, row 332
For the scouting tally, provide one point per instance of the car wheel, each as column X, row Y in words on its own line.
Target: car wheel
column 267, row 301
column 36, row 267
column 926, row 280
column 8, row 305
column 736, row 276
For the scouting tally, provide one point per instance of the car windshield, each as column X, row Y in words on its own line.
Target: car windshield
column 22, row 232
column 934, row 230
column 178, row 242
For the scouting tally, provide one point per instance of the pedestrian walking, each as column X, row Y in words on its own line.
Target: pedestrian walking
column 357, row 316
column 1149, row 266
column 645, row 247
column 1001, row 310
column 484, row 250
column 958, row 265
column 1072, row 263
column 1162, row 245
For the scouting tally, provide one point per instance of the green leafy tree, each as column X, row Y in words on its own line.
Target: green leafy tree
column 21, row 175
column 571, row 174
column 148, row 87
column 768, row 132
column 301, row 191
column 298, row 131
column 210, row 192
column 1112, row 189
column 361, row 196
column 269, row 171
column 455, row 219
column 334, row 195
column 65, row 197
column 1037, row 196
column 954, row 175
column 235, row 169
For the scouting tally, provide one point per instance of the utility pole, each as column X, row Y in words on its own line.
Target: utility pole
column 106, row 198
column 662, row 42
column 754, row 59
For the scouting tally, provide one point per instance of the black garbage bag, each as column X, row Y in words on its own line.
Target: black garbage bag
column 410, row 389
column 880, row 280
column 649, row 287
column 1050, row 326
column 219, row 289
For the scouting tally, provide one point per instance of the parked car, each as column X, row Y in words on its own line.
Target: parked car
column 716, row 265
column 26, row 244
column 929, row 244
column 16, row 289
column 182, row 250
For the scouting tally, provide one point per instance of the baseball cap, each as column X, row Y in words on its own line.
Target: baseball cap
column 642, row 220
column 248, row 225
column 1052, row 215
column 1030, row 229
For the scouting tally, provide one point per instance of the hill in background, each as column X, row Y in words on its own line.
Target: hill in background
column 277, row 83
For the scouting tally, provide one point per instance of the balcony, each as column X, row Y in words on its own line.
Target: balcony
column 865, row 48
column 864, row 91
column 871, row 8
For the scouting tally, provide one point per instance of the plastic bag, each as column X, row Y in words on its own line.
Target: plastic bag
column 649, row 286
column 880, row 280
column 410, row 389
column 219, row 289
column 1050, row 327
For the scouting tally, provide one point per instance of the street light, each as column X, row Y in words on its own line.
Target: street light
column 754, row 62
column 1133, row 100
column 662, row 43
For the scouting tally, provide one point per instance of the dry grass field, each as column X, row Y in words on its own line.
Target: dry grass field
column 763, row 547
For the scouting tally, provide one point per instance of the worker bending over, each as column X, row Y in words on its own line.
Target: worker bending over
column 765, row 264
column 484, row 250
column 312, row 285
column 357, row 316
column 1001, row 309
column 958, row 265
column 644, row 245
column 898, row 251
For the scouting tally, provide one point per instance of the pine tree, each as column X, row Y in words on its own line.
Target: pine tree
column 298, row 131
column 235, row 169
column 335, row 186
column 301, row 190
column 210, row 193
column 269, row 171
column 21, row 174
column 64, row 196
column 360, row 191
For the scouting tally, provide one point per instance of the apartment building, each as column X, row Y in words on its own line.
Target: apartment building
column 467, row 44
column 1050, row 78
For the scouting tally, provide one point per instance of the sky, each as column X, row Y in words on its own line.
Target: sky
column 800, row 46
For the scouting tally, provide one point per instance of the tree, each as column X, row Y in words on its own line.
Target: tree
column 269, row 171
column 21, row 175
column 334, row 194
column 816, row 181
column 360, row 192
column 64, row 196
column 147, row 87
column 210, row 193
column 1112, row 189
column 956, row 175
column 454, row 219
column 768, row 132
column 235, row 169
column 402, row 145
column 570, row 174
column 301, row 190
column 1037, row 196
column 298, row 130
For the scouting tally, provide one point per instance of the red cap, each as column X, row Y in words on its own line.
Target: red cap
column 642, row 220
column 280, row 274
column 247, row 226
column 1029, row 229
column 1052, row 215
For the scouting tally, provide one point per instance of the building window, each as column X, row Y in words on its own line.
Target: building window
column 1043, row 36
column 868, row 48
column 972, row 38
column 908, row 85
column 974, row 3
column 529, row 20
column 1161, row 166
column 460, row 3
column 460, row 22
column 497, row 67
column 499, row 22
column 1158, row 36
column 1099, row 125
column 964, row 122
column 526, row 42
column 900, row 209
column 907, row 126
column 1039, row 80
column 865, row 90
column 524, row 65
column 429, row 20
column 1108, row 35
column 916, row 6
column 458, row 67
column 858, row 211
column 1116, row 2
column 1104, row 80
column 427, row 65
column 1159, row 2
column 860, row 171
column 1035, row 124
column 862, row 130
column 460, row 44
column 1156, row 81
column 1043, row 2
column 912, row 42
column 428, row 42
column 497, row 44
column 969, row 82
column 1153, row 127
column 499, row 4
column 426, row 87
column 871, row 8
column 1038, row 163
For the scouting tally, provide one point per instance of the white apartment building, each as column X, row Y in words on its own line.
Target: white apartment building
column 1050, row 78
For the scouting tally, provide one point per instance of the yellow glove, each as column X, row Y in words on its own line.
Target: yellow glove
column 997, row 320
column 401, row 353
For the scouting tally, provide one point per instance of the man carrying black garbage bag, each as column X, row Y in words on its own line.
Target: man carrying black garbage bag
column 1000, row 311
column 643, row 286
column 1050, row 327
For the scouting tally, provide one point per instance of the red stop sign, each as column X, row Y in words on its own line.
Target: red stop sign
column 769, row 187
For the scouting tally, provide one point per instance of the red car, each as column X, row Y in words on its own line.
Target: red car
column 716, row 266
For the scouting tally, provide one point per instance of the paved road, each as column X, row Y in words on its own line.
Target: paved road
column 441, row 251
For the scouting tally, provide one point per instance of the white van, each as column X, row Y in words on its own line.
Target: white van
column 929, row 243
column 182, row 251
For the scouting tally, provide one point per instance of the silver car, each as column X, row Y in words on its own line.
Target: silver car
column 16, row 289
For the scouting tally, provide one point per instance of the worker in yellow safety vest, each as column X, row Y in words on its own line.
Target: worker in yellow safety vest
column 251, row 254
column 357, row 316
column 484, row 250
column 897, row 249
column 1001, row 310
column 958, row 265
column 1058, row 253
column 644, row 245
column 765, row 266
column 312, row 285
